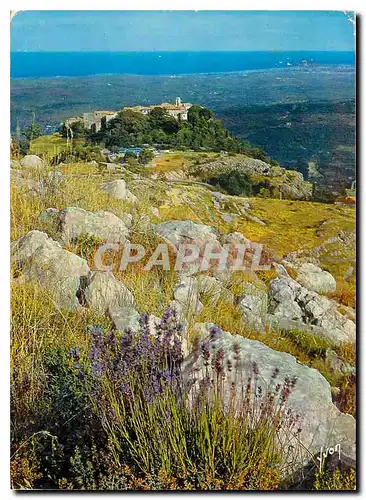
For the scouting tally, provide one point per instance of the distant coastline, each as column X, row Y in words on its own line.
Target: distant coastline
column 69, row 64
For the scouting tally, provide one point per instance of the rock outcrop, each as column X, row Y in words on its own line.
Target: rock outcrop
column 321, row 423
column 105, row 226
column 289, row 183
column 43, row 261
column 289, row 301
column 315, row 279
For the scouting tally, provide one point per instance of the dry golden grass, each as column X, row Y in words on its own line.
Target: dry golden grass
column 169, row 162
column 38, row 325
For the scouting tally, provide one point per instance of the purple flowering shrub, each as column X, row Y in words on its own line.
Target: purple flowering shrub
column 119, row 416
column 155, row 426
column 148, row 362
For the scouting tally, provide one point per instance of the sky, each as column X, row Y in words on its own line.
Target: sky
column 181, row 31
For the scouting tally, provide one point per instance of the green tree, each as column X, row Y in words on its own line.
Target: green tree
column 78, row 129
column 145, row 156
column 32, row 132
column 130, row 155
column 159, row 118
column 234, row 182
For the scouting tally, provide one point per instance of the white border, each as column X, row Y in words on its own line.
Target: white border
column 351, row 5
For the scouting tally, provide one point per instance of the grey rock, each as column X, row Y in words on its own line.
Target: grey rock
column 291, row 301
column 106, row 226
column 118, row 189
column 32, row 161
column 218, row 196
column 104, row 293
column 127, row 219
column 186, row 231
column 125, row 318
column 282, row 323
column 236, row 238
column 322, row 424
column 253, row 306
column 43, row 261
column 20, row 180
column 314, row 278
column 229, row 218
column 186, row 297
column 24, row 248
column 178, row 233
column 211, row 287
column 296, row 189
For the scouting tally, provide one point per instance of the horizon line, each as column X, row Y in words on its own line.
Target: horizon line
column 172, row 51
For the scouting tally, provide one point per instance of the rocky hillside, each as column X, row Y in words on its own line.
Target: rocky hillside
column 268, row 180
column 292, row 320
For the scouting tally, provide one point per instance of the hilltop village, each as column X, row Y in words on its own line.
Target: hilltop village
column 95, row 119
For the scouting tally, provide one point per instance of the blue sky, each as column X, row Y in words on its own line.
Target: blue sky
column 180, row 30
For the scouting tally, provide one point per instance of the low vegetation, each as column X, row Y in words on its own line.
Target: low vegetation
column 81, row 421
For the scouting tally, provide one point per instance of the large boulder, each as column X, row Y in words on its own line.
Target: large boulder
column 24, row 248
column 118, row 189
column 105, row 294
column 32, row 161
column 178, row 233
column 42, row 260
column 291, row 301
column 244, row 362
column 106, row 226
column 315, row 279
column 186, row 231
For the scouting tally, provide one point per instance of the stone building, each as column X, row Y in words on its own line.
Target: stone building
column 179, row 110
column 93, row 119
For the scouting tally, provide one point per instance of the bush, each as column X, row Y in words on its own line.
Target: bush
column 138, row 390
column 145, row 156
column 336, row 481
column 234, row 182
column 121, row 418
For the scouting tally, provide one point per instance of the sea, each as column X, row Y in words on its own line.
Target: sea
column 54, row 64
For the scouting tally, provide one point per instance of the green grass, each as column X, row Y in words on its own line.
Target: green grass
column 50, row 145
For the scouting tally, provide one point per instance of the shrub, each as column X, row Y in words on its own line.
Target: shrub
column 156, row 427
column 145, row 156
column 233, row 182
column 337, row 480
